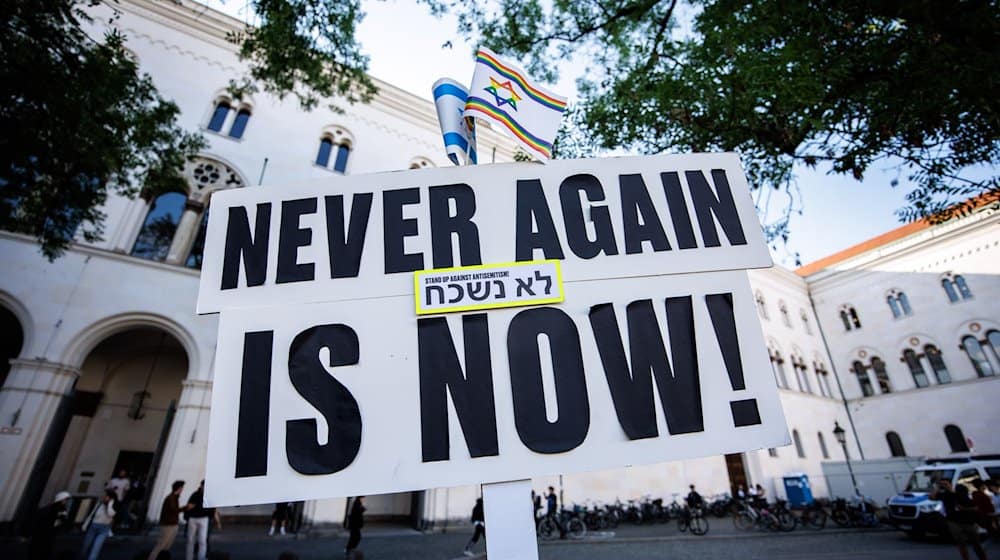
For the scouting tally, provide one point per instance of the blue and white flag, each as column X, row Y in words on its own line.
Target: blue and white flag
column 502, row 93
column 458, row 131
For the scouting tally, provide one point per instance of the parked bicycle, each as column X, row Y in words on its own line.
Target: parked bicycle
column 693, row 519
column 860, row 512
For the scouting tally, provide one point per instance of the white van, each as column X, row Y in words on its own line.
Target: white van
column 914, row 512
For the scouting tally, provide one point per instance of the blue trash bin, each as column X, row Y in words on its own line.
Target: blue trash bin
column 798, row 490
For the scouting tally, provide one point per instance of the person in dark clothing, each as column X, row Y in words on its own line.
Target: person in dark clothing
column 551, row 501
column 480, row 522
column 536, row 504
column 170, row 517
column 961, row 514
column 984, row 506
column 355, row 521
column 49, row 521
column 279, row 518
column 199, row 519
column 694, row 499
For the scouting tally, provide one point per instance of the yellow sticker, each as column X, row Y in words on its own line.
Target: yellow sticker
column 487, row 286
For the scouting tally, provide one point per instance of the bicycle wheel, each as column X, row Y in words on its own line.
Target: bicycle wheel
column 576, row 529
column 786, row 521
column 816, row 519
column 841, row 518
column 743, row 521
column 682, row 524
column 546, row 529
column 699, row 525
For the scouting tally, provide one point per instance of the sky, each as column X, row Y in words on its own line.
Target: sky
column 405, row 46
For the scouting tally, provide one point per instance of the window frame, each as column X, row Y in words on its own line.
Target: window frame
column 895, row 443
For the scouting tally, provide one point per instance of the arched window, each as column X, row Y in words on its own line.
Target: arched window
column 956, row 439
column 801, row 374
column 761, row 306
column 783, row 309
column 159, row 227
column 937, row 363
column 325, row 149
column 850, row 318
column 881, row 375
column 421, row 163
column 778, row 365
column 220, row 118
column 798, row 444
column 772, row 452
column 899, row 304
column 340, row 165
column 978, row 356
column 822, row 445
column 240, row 123
column 219, row 115
column 822, row 379
column 956, row 287
column 862, row 374
column 916, row 368
column 805, row 322
column 895, row 444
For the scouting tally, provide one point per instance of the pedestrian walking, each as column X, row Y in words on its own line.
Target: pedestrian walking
column 120, row 485
column 198, row 518
column 98, row 526
column 49, row 521
column 355, row 521
column 170, row 518
column 279, row 518
column 961, row 514
column 479, row 521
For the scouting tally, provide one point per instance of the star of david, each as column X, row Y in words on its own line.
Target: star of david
column 496, row 88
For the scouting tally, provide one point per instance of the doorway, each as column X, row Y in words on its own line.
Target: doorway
column 736, row 468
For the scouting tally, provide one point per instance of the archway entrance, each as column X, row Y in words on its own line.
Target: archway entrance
column 11, row 341
column 118, row 417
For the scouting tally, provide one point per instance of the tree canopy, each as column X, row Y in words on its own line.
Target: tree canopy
column 848, row 85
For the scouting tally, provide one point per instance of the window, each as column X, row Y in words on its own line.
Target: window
column 334, row 144
column 325, row 149
column 772, row 452
column 956, row 439
column 240, row 124
column 340, row 165
column 220, row 118
column 937, row 364
column 916, row 368
column 801, row 374
column 778, row 366
column 895, row 444
column 421, row 163
column 798, row 444
column 993, row 339
column 881, row 375
column 956, row 288
column 850, row 318
column 978, row 357
column 822, row 379
column 899, row 304
column 822, row 445
column 197, row 253
column 783, row 309
column 805, row 322
column 862, row 373
column 159, row 227
column 761, row 306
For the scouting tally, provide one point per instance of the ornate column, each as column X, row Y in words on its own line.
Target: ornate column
column 29, row 401
column 187, row 228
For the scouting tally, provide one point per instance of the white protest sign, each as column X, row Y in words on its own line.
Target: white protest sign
column 365, row 397
column 364, row 236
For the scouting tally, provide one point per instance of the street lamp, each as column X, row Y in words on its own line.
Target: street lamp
column 841, row 436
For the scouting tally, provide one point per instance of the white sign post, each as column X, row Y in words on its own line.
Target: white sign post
column 364, row 347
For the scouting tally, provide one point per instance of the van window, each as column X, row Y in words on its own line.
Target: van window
column 993, row 472
column 924, row 480
column 967, row 476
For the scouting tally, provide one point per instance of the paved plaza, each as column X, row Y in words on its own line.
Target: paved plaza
column 638, row 543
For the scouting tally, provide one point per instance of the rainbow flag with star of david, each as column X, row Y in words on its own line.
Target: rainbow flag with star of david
column 501, row 92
